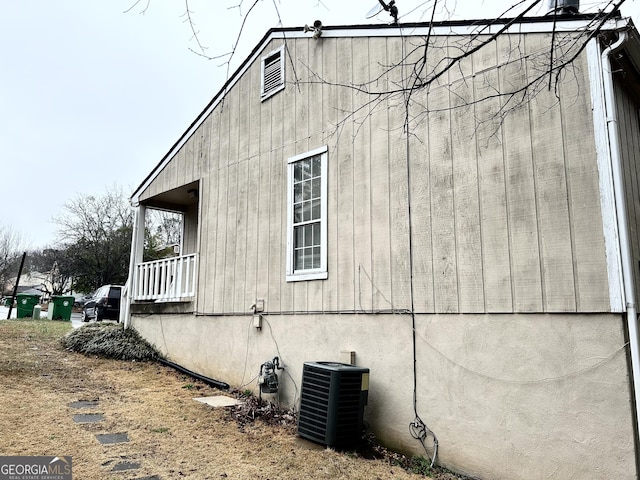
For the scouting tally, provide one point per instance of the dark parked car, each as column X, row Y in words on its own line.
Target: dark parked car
column 104, row 304
column 80, row 301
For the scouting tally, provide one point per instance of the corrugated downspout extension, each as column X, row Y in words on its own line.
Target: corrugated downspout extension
column 209, row 381
column 621, row 210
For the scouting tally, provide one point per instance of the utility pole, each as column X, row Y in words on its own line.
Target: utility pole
column 15, row 287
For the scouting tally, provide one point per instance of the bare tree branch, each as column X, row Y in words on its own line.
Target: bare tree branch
column 143, row 11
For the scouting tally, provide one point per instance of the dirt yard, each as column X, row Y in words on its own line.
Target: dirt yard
column 170, row 436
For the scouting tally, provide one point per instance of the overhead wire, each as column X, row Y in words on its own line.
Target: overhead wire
column 417, row 428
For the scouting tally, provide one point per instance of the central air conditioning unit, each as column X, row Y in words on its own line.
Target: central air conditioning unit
column 332, row 401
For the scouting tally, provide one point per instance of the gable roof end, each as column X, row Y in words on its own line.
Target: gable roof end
column 465, row 27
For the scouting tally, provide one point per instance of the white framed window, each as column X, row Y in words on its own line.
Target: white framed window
column 272, row 73
column 307, row 216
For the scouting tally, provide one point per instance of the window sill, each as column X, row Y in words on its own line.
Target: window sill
column 300, row 277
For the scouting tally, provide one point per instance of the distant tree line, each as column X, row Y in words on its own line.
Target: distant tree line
column 93, row 245
column 10, row 255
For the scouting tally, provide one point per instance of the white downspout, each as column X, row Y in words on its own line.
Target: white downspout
column 621, row 210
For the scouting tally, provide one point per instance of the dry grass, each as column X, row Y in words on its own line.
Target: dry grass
column 170, row 434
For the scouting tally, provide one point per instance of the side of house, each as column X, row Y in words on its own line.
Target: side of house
column 473, row 265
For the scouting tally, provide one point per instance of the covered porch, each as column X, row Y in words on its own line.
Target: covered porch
column 172, row 278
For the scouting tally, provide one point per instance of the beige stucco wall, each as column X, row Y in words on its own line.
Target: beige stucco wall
column 508, row 396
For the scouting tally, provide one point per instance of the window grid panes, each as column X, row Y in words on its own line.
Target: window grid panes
column 307, row 202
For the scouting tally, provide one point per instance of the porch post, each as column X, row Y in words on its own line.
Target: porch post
column 137, row 250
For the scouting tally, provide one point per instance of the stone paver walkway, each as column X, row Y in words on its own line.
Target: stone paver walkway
column 117, row 465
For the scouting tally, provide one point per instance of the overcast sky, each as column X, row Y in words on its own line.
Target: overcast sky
column 92, row 96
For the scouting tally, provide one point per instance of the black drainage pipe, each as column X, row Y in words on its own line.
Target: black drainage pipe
column 207, row 380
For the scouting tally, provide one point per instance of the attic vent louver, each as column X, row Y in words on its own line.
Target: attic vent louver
column 272, row 73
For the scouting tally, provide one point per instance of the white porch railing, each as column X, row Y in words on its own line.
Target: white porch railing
column 167, row 280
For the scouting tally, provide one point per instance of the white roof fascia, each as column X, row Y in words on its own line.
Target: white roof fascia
column 459, row 30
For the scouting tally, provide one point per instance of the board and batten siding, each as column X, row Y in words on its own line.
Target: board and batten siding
column 505, row 211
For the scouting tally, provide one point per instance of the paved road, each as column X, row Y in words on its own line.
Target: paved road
column 75, row 317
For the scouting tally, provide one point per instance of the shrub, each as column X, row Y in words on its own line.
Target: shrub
column 109, row 340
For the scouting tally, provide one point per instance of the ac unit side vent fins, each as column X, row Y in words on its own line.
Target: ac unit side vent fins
column 332, row 401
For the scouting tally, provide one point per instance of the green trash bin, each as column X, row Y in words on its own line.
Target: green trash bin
column 25, row 303
column 62, row 307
